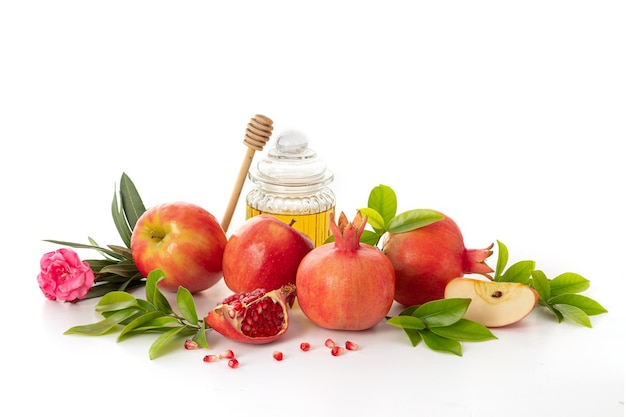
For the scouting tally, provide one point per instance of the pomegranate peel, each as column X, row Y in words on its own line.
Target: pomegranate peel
column 255, row 317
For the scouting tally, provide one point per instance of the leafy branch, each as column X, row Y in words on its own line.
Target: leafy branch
column 153, row 315
column 560, row 295
column 440, row 324
column 116, row 271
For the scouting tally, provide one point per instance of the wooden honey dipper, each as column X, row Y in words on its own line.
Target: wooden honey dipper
column 257, row 134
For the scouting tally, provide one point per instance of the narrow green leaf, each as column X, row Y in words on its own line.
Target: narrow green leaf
column 413, row 219
column 124, row 252
column 103, row 326
column 503, row 259
column 159, row 324
column 145, row 305
column 568, row 283
column 138, row 322
column 541, row 284
column 119, row 220
column 163, row 340
column 84, row 246
column 374, row 218
column 406, row 322
column 131, row 201
column 442, row 312
column 441, row 344
column 518, row 272
column 186, row 305
column 465, row 330
column 586, row 304
column 573, row 313
column 116, row 300
column 383, row 199
column 97, row 264
column 557, row 313
column 153, row 295
column 124, row 269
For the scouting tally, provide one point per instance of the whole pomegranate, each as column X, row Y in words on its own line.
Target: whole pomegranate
column 427, row 258
column 253, row 317
column 345, row 284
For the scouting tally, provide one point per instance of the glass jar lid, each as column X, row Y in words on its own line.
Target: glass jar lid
column 291, row 163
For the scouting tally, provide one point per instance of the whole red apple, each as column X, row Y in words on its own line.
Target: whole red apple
column 183, row 240
column 264, row 253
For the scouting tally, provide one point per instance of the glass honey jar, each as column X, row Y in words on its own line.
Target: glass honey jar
column 292, row 184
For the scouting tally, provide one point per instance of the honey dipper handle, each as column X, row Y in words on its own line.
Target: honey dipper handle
column 257, row 134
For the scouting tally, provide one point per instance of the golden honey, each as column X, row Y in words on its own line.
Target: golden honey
column 315, row 225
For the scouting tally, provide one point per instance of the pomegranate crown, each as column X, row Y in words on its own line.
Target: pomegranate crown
column 348, row 234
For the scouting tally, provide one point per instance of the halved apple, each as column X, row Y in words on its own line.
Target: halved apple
column 494, row 304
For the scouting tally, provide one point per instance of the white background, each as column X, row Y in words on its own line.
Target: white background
column 506, row 116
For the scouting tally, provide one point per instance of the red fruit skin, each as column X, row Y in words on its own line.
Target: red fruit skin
column 182, row 239
column 341, row 288
column 224, row 320
column 426, row 259
column 264, row 253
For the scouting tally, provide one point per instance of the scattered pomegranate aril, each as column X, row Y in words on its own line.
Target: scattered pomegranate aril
column 305, row 346
column 190, row 344
column 337, row 350
column 351, row 345
column 227, row 354
column 233, row 363
column 278, row 355
column 211, row 358
column 330, row 343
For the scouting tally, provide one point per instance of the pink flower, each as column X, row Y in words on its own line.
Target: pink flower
column 63, row 276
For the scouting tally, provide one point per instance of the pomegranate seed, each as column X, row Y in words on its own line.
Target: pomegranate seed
column 337, row 350
column 329, row 343
column 305, row 346
column 278, row 355
column 227, row 354
column 351, row 345
column 233, row 363
column 211, row 358
column 190, row 344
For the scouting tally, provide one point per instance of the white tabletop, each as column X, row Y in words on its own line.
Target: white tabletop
column 507, row 118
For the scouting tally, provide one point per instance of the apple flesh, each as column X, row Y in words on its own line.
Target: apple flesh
column 184, row 240
column 264, row 253
column 494, row 304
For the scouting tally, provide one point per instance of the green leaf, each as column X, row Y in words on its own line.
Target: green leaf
column 407, row 322
column 125, row 269
column 369, row 237
column 567, row 283
column 383, row 199
column 374, row 218
column 116, row 300
column 573, row 313
column 131, row 201
column 200, row 336
column 503, row 259
column 154, row 295
column 103, row 326
column 186, row 305
column 518, row 272
column 441, row 344
column 84, row 246
column 541, row 284
column 164, row 340
column 124, row 252
column 414, row 336
column 120, row 221
column 442, row 312
column 465, row 330
column 413, row 219
column 586, row 304
column 139, row 322
column 159, row 324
